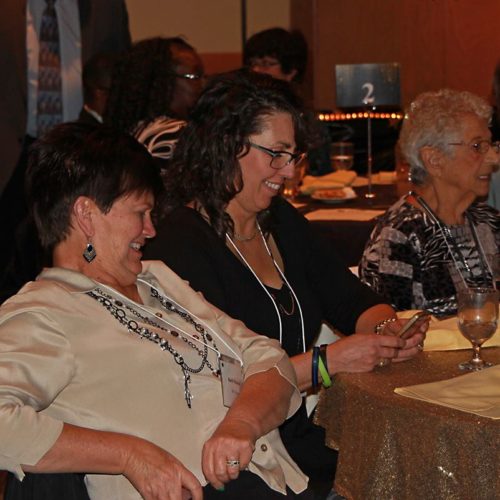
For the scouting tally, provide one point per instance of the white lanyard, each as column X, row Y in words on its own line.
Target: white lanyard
column 283, row 277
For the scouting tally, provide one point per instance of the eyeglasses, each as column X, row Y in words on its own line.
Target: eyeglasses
column 263, row 63
column 280, row 159
column 189, row 76
column 480, row 147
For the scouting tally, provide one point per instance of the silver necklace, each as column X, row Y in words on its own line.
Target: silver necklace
column 118, row 309
column 283, row 277
column 243, row 238
column 281, row 307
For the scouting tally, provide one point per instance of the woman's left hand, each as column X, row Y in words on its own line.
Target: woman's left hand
column 414, row 338
column 228, row 451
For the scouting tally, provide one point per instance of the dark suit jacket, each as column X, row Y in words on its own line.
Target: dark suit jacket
column 104, row 27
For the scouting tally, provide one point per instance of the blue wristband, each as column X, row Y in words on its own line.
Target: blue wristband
column 314, row 367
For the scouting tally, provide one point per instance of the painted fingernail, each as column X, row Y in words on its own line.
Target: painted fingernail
column 221, row 489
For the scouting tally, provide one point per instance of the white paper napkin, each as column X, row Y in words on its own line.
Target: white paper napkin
column 444, row 335
column 477, row 392
column 339, row 179
column 343, row 214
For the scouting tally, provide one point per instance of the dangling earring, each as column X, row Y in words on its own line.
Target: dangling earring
column 89, row 253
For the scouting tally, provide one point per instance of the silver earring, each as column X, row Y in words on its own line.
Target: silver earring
column 89, row 253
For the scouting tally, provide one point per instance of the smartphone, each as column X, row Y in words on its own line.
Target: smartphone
column 417, row 319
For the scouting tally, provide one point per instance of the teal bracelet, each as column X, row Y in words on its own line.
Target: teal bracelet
column 325, row 376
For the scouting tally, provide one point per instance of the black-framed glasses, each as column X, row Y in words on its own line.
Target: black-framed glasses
column 280, row 159
column 263, row 63
column 190, row 76
column 480, row 147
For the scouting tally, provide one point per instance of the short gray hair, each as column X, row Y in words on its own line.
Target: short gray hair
column 434, row 119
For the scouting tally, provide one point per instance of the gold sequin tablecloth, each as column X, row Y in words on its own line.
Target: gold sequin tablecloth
column 394, row 447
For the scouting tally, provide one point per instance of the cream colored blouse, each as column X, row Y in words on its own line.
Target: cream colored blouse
column 65, row 358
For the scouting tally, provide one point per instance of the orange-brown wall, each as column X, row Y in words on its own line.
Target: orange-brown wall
column 213, row 27
column 439, row 43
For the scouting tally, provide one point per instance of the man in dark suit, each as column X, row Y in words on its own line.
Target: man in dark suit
column 103, row 28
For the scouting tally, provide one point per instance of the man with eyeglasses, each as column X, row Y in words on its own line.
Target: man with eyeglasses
column 282, row 54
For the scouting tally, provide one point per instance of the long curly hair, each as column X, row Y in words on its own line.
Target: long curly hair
column 143, row 83
column 205, row 168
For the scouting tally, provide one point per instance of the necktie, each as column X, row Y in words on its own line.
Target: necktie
column 49, row 102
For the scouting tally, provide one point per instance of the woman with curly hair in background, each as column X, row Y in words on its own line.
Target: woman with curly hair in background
column 155, row 85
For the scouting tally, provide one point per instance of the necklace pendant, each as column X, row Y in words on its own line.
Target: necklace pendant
column 159, row 315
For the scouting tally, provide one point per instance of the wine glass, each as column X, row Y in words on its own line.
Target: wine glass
column 342, row 155
column 477, row 321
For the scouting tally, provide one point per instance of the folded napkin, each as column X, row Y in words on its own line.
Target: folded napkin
column 477, row 392
column 444, row 335
column 343, row 214
column 339, row 179
column 378, row 178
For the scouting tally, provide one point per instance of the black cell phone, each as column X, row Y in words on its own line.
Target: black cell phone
column 418, row 317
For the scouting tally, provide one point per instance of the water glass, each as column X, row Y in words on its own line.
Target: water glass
column 291, row 186
column 342, row 155
column 477, row 321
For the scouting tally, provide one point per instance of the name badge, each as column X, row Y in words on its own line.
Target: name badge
column 232, row 377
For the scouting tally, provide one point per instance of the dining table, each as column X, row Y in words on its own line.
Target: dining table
column 345, row 225
column 395, row 447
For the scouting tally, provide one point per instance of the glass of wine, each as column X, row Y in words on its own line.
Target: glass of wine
column 477, row 321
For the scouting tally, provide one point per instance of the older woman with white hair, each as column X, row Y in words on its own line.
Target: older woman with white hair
column 439, row 238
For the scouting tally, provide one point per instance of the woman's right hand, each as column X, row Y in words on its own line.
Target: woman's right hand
column 361, row 352
column 158, row 475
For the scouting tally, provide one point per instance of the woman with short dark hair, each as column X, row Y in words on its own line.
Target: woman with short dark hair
column 116, row 368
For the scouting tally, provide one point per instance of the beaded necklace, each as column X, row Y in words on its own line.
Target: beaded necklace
column 118, row 310
column 452, row 245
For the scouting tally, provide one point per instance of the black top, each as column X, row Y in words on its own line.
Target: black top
column 327, row 291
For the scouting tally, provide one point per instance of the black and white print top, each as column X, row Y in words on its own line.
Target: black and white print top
column 409, row 262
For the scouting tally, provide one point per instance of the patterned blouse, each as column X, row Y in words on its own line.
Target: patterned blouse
column 412, row 263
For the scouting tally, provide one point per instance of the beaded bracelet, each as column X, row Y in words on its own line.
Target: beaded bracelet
column 379, row 326
column 314, row 367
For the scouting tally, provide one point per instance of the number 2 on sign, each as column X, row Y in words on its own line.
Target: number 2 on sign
column 369, row 97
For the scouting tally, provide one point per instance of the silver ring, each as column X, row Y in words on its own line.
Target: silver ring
column 233, row 463
column 383, row 362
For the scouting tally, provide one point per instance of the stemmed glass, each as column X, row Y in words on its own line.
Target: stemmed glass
column 477, row 321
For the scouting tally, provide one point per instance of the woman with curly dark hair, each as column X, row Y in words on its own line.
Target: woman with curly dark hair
column 253, row 255
column 155, row 85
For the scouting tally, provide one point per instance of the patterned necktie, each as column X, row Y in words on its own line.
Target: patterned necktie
column 49, row 102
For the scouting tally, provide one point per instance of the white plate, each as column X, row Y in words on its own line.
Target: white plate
column 325, row 196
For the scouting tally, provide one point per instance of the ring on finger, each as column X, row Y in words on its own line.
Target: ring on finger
column 233, row 463
column 420, row 346
column 383, row 362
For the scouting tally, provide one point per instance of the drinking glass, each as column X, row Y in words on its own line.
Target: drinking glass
column 291, row 186
column 342, row 155
column 477, row 321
